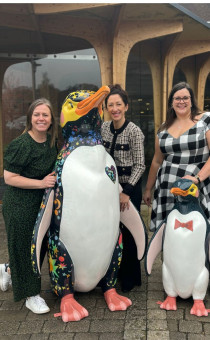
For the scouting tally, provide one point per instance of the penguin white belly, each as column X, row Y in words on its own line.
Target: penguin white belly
column 184, row 271
column 90, row 217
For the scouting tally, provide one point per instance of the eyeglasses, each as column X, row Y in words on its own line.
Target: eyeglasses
column 179, row 99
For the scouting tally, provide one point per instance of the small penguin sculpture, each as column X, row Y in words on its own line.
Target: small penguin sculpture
column 184, row 238
column 82, row 212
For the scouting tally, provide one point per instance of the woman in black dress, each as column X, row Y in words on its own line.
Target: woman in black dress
column 125, row 142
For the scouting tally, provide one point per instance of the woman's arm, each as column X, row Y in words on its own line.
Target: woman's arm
column 18, row 181
column 205, row 171
column 137, row 151
column 136, row 141
column 156, row 163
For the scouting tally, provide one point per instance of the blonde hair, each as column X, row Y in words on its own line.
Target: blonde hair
column 53, row 127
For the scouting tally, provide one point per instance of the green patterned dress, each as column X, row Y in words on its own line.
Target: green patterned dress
column 34, row 160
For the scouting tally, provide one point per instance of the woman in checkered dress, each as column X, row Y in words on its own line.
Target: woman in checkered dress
column 181, row 150
column 125, row 142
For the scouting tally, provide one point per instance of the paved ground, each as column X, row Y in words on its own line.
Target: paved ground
column 143, row 320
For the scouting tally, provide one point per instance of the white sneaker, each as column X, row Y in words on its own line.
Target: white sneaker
column 37, row 304
column 5, row 278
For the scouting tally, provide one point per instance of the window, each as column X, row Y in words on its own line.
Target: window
column 178, row 76
column 53, row 77
column 140, row 90
column 207, row 94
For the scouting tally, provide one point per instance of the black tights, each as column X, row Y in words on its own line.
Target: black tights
column 130, row 269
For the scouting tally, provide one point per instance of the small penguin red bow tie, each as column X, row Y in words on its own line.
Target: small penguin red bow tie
column 188, row 225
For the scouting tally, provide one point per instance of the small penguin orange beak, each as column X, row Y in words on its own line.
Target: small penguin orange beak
column 94, row 100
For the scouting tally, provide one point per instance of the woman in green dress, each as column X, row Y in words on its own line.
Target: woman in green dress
column 28, row 169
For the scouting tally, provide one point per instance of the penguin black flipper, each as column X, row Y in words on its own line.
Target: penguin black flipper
column 155, row 247
column 135, row 224
column 41, row 226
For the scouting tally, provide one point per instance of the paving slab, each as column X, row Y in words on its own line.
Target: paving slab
column 144, row 320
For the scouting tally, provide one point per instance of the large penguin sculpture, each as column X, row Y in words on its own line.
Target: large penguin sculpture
column 82, row 212
column 185, row 240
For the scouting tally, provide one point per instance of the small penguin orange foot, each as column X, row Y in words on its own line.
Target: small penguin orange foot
column 168, row 304
column 71, row 310
column 115, row 301
column 199, row 308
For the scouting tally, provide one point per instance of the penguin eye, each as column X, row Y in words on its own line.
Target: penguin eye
column 192, row 190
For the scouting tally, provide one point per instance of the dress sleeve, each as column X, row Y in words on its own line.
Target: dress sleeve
column 207, row 121
column 16, row 156
column 137, row 148
column 103, row 130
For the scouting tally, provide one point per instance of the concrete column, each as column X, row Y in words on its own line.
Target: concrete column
column 3, row 67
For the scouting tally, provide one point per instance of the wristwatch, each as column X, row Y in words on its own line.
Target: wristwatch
column 198, row 178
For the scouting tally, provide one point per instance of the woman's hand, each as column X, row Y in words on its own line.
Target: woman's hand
column 147, row 197
column 124, row 201
column 16, row 180
column 49, row 180
column 192, row 178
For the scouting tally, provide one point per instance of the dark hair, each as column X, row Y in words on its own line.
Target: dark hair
column 117, row 89
column 171, row 114
column 52, row 128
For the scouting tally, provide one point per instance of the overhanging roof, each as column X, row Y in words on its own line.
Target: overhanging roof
column 193, row 15
column 24, row 27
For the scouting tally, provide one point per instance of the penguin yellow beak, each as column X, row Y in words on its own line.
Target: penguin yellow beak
column 95, row 100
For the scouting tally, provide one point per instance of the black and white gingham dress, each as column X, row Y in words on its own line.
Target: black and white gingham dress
column 185, row 155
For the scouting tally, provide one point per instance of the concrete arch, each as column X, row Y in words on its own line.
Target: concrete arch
column 181, row 50
column 97, row 33
column 202, row 77
column 129, row 34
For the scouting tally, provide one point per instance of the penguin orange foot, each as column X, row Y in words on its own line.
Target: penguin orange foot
column 199, row 308
column 168, row 304
column 115, row 301
column 71, row 310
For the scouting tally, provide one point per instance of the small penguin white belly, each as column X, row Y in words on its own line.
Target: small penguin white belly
column 90, row 214
column 184, row 271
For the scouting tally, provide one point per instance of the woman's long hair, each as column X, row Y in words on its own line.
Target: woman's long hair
column 53, row 127
column 171, row 114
